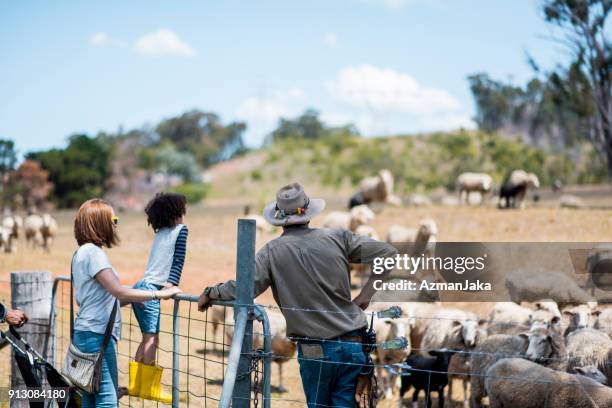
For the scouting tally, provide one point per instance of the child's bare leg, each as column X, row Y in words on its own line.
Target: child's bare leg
column 149, row 350
column 140, row 351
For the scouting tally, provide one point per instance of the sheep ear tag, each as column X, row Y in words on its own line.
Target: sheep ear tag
column 312, row 350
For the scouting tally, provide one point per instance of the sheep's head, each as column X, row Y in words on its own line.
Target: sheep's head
column 487, row 183
column 549, row 305
column 533, row 180
column 581, row 317
column 428, row 227
column 593, row 373
column 387, row 179
column 361, row 215
column 543, row 344
column 467, row 331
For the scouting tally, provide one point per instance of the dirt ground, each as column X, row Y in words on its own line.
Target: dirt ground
column 211, row 258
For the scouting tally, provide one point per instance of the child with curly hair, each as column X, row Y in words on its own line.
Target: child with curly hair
column 165, row 214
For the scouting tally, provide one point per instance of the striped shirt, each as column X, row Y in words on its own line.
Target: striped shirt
column 167, row 255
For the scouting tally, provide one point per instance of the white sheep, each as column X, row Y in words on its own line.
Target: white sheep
column 454, row 329
column 6, row 239
column 32, row 226
column 388, row 330
column 473, row 182
column 578, row 317
column 514, row 382
column 590, row 347
column 349, row 220
column 419, row 200
column 571, row 201
column 533, row 284
column 48, row 230
column 508, row 318
column 378, row 188
column 283, row 349
column 13, row 223
column 414, row 241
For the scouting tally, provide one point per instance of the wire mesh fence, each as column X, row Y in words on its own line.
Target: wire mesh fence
column 193, row 349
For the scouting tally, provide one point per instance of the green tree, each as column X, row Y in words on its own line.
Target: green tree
column 203, row 135
column 78, row 172
column 586, row 33
column 8, row 159
column 307, row 126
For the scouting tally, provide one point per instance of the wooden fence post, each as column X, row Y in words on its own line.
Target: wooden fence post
column 31, row 293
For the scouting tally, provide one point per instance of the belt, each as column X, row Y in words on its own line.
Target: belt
column 353, row 336
column 350, row 339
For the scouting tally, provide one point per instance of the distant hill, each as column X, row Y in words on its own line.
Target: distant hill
column 333, row 166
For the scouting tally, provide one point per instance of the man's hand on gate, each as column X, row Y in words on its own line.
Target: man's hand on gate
column 16, row 318
column 203, row 301
column 362, row 395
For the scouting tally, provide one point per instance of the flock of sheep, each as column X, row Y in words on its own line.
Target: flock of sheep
column 39, row 231
column 531, row 352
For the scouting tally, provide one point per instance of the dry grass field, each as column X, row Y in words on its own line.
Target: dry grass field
column 211, row 258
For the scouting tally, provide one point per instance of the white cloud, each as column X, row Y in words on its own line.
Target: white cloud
column 382, row 89
column 330, row 39
column 163, row 42
column 262, row 113
column 102, row 39
column 384, row 101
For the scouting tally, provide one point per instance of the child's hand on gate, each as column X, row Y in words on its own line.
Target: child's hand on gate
column 167, row 285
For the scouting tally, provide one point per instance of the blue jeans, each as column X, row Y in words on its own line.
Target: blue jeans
column 327, row 383
column 90, row 342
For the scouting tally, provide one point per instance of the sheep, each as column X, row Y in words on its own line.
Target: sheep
column 351, row 220
column 414, row 241
column 32, row 225
column 362, row 271
column 542, row 345
column 452, row 328
column 419, row 200
column 571, row 201
column 387, row 330
column 590, row 347
column 514, row 382
column 533, row 284
column 473, row 182
column 579, row 317
column 426, row 373
column 6, row 239
column 515, row 188
column 283, row 349
column 14, row 223
column 378, row 188
column 507, row 318
column 48, row 230
column 604, row 321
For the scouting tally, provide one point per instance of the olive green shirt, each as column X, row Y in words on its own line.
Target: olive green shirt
column 309, row 269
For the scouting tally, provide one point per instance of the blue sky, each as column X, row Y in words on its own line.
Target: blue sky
column 386, row 65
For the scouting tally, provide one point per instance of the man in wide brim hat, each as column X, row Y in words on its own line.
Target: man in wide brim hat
column 308, row 270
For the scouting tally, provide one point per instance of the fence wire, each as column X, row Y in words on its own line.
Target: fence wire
column 199, row 365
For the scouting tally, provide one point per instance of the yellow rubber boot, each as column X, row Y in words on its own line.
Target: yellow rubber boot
column 150, row 384
column 135, row 378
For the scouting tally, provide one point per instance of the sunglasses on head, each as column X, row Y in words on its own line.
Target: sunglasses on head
column 115, row 220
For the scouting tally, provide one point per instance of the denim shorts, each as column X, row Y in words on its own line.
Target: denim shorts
column 147, row 313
